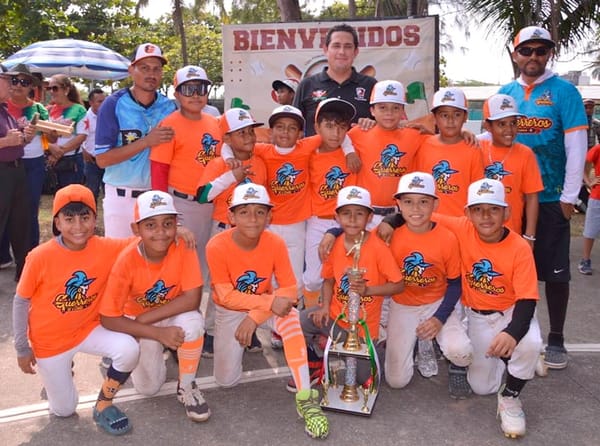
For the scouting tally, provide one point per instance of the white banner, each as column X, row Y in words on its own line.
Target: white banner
column 256, row 55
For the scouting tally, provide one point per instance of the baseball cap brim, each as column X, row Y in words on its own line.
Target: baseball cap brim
column 505, row 115
column 486, row 201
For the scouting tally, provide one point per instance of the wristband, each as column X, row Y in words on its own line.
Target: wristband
column 531, row 238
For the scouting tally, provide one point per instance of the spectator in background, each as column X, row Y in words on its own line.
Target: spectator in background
column 87, row 127
column 284, row 91
column 338, row 79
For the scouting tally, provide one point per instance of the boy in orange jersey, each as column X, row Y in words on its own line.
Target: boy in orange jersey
column 500, row 293
column 243, row 262
column 511, row 163
column 55, row 310
column 218, row 181
column 453, row 163
column 386, row 151
column 429, row 258
column 382, row 277
column 154, row 295
column 327, row 176
column 176, row 166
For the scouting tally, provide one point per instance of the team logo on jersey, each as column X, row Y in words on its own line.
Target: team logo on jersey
column 343, row 291
column 413, row 269
column 208, row 150
column 129, row 136
column 75, row 296
column 545, row 98
column 285, row 180
column 360, row 94
column 533, row 125
column 334, row 181
column 155, row 296
column 482, row 276
column 442, row 173
column 319, row 95
column 389, row 162
column 248, row 282
column 495, row 171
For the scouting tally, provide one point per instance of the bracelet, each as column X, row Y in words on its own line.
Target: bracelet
column 531, row 238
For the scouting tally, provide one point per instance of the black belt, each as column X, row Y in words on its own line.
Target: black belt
column 133, row 193
column 13, row 163
column 222, row 225
column 383, row 211
column 184, row 196
column 486, row 312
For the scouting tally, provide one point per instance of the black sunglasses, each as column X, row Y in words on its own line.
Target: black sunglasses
column 24, row 82
column 528, row 51
column 188, row 90
column 54, row 88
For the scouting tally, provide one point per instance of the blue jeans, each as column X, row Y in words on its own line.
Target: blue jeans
column 93, row 177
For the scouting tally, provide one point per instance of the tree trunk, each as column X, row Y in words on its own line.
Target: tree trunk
column 289, row 10
column 352, row 9
column 178, row 19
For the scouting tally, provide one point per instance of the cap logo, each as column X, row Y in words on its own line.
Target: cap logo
column 416, row 182
column 149, row 49
column 156, row 201
column 287, row 108
column 448, row 97
column 354, row 194
column 485, row 188
column 390, row 91
column 192, row 72
column 243, row 115
column 506, row 104
column 251, row 194
column 537, row 34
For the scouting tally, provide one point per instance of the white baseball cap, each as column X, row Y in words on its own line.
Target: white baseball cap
column 416, row 183
column 286, row 111
column 153, row 203
column 344, row 108
column 388, row 91
column 190, row 73
column 452, row 97
column 500, row 106
column 354, row 195
column 250, row 193
column 146, row 50
column 533, row 34
column 486, row 191
column 292, row 84
column 236, row 119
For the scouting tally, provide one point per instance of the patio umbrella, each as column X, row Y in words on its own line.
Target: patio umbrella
column 75, row 58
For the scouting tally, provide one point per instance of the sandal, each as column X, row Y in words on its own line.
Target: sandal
column 112, row 420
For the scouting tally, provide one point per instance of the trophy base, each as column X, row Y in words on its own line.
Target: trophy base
column 336, row 404
column 338, row 348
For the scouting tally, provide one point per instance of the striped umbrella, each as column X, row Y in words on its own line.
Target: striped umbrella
column 75, row 58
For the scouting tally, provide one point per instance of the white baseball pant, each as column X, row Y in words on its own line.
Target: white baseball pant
column 55, row 371
column 315, row 229
column 118, row 211
column 294, row 236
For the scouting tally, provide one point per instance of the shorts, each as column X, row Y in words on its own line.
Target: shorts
column 551, row 248
column 591, row 227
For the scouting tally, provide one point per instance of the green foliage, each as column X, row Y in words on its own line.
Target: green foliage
column 339, row 10
column 254, row 11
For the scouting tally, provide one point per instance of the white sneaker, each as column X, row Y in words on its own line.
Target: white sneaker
column 512, row 417
column 191, row 397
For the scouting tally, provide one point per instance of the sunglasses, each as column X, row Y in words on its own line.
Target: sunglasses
column 24, row 82
column 528, row 51
column 188, row 90
column 54, row 88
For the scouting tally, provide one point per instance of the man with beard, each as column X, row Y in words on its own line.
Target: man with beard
column 554, row 127
column 127, row 128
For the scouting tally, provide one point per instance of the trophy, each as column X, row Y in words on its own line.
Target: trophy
column 47, row 126
column 353, row 397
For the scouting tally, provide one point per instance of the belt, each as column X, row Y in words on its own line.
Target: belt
column 183, row 195
column 13, row 163
column 384, row 211
column 486, row 312
column 132, row 193
column 222, row 225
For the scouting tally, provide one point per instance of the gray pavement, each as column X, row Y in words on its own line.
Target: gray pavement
column 561, row 408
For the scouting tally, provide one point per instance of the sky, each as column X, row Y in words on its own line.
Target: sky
column 480, row 57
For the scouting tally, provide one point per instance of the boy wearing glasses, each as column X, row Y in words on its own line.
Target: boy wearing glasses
column 554, row 127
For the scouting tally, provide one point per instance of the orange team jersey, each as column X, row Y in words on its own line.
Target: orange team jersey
column 217, row 167
column 517, row 168
column 380, row 267
column 494, row 275
column 328, row 174
column 64, row 288
column 195, row 143
column 454, row 167
column 593, row 157
column 242, row 279
column 137, row 286
column 427, row 260
column 287, row 179
column 386, row 155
